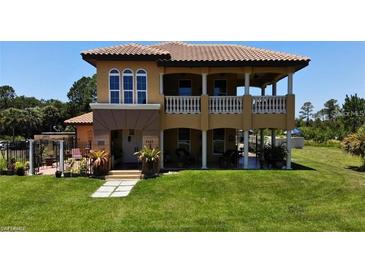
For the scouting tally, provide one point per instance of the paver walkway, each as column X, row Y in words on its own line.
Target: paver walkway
column 115, row 189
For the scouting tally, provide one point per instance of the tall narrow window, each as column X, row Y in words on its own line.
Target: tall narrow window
column 185, row 88
column 218, row 141
column 128, row 86
column 141, row 86
column 220, row 88
column 183, row 141
column 114, row 86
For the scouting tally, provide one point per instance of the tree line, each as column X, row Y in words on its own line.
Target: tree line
column 21, row 116
column 333, row 121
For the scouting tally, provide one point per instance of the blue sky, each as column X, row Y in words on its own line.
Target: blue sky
column 48, row 69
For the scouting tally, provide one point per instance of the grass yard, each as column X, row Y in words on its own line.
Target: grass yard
column 330, row 197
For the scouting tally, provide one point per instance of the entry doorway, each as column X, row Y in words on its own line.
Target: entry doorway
column 124, row 143
column 132, row 142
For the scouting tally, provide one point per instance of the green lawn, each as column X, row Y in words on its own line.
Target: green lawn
column 331, row 197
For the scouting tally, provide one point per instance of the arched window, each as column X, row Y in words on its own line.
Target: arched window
column 128, row 86
column 114, row 86
column 141, row 86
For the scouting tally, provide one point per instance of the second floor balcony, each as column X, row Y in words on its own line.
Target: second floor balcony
column 225, row 104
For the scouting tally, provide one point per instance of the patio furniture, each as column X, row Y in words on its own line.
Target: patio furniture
column 76, row 153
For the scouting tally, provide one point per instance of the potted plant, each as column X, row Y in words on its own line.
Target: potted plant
column 75, row 171
column 150, row 158
column 99, row 162
column 11, row 166
column 20, row 168
column 69, row 165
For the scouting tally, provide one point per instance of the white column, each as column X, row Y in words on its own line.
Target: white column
column 288, row 147
column 245, row 149
column 274, row 89
column 204, row 149
column 61, row 156
column 31, row 163
column 161, row 149
column 161, row 83
column 290, row 83
column 247, row 83
column 204, row 84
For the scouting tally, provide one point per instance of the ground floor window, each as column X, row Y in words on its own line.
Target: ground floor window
column 183, row 139
column 218, row 141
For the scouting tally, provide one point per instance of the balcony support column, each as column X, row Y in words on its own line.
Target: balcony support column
column 161, row 149
column 161, row 83
column 247, row 83
column 273, row 137
column 204, row 149
column 262, row 137
column 245, row 149
column 290, row 83
column 288, row 148
column 274, row 89
column 204, row 83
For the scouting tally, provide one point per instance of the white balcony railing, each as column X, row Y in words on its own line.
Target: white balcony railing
column 269, row 104
column 225, row 104
column 182, row 104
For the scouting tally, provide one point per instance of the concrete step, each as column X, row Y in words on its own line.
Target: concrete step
column 124, row 172
column 123, row 177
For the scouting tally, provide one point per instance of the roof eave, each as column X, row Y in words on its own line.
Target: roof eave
column 299, row 64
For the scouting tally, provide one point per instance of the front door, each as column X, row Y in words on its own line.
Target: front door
column 132, row 142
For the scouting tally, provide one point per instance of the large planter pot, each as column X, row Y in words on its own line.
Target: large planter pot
column 58, row 174
column 20, row 172
column 150, row 170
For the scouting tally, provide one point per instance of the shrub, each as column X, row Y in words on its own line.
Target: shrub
column 99, row 162
column 275, row 155
column 20, row 168
column 355, row 144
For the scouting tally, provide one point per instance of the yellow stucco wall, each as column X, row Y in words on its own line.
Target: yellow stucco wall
column 153, row 76
column 204, row 120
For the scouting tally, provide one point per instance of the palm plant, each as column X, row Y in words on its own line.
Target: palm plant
column 99, row 161
column 150, row 158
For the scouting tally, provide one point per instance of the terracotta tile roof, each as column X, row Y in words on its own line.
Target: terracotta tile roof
column 184, row 52
column 223, row 52
column 129, row 49
column 86, row 118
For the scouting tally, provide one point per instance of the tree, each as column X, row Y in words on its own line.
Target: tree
column 354, row 112
column 13, row 120
column 34, row 121
column 7, row 94
column 51, row 117
column 355, row 144
column 331, row 109
column 306, row 112
column 81, row 94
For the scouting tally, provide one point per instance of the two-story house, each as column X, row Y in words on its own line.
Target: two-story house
column 190, row 100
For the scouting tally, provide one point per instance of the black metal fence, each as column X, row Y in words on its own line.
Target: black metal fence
column 12, row 152
column 46, row 155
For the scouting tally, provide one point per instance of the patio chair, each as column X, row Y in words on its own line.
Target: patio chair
column 76, row 153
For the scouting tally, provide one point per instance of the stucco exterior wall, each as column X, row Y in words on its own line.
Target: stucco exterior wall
column 153, row 78
column 84, row 134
